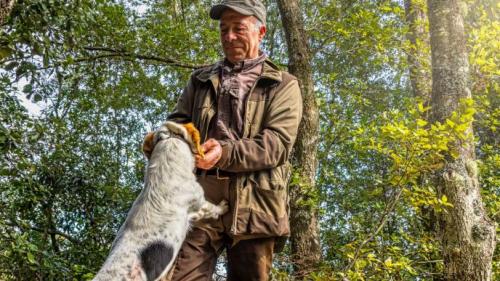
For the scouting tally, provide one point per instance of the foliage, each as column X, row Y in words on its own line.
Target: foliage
column 72, row 172
column 109, row 71
column 484, row 28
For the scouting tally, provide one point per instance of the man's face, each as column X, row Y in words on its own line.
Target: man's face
column 239, row 36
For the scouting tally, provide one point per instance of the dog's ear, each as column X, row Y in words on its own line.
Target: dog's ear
column 189, row 133
column 195, row 138
column 177, row 129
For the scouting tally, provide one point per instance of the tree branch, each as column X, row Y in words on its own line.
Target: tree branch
column 382, row 222
column 385, row 216
column 113, row 53
column 49, row 231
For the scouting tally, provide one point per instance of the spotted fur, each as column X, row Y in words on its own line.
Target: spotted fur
column 147, row 243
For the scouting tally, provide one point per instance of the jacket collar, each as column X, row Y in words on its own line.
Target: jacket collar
column 269, row 72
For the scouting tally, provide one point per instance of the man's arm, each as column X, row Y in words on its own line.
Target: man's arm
column 272, row 146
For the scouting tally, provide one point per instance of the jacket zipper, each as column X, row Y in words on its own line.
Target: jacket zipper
column 236, row 205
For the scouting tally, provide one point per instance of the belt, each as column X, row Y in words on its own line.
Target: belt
column 215, row 172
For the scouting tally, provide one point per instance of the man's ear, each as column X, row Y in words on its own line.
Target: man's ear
column 178, row 129
column 262, row 32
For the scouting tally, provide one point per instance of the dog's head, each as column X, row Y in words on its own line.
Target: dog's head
column 185, row 131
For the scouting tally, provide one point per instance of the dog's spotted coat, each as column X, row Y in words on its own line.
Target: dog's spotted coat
column 147, row 243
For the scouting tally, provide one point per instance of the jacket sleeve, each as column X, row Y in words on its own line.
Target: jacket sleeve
column 272, row 145
column 184, row 107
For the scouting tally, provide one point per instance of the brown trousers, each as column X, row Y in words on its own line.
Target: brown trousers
column 246, row 260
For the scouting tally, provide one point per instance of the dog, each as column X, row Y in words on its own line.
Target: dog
column 147, row 244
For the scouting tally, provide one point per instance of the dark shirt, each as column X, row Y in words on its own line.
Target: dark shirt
column 236, row 82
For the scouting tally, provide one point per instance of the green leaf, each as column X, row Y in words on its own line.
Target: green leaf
column 421, row 122
column 450, row 123
column 31, row 258
column 5, row 52
column 11, row 66
column 37, row 98
column 28, row 88
column 4, row 172
column 388, row 263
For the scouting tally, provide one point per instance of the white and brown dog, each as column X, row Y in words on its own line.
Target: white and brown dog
column 148, row 242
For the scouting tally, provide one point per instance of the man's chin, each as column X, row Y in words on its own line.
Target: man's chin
column 235, row 59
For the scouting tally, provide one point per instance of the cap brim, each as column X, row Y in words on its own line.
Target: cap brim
column 216, row 11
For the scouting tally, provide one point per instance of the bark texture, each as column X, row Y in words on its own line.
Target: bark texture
column 305, row 247
column 418, row 53
column 5, row 9
column 466, row 232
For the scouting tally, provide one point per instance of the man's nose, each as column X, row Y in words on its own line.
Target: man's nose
column 229, row 36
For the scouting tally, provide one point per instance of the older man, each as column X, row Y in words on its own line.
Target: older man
column 248, row 112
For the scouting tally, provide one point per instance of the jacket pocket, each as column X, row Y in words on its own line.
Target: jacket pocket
column 268, row 208
column 270, row 193
column 272, row 179
column 281, row 175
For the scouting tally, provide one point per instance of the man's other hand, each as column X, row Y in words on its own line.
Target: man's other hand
column 213, row 152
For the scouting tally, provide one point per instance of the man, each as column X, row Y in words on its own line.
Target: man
column 248, row 113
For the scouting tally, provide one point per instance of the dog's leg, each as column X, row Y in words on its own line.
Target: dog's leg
column 136, row 274
column 209, row 210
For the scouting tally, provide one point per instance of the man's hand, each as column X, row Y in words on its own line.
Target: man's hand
column 213, row 152
column 147, row 145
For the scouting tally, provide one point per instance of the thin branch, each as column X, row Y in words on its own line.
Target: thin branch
column 425, row 262
column 109, row 53
column 124, row 54
column 321, row 45
column 48, row 231
column 382, row 222
column 7, row 60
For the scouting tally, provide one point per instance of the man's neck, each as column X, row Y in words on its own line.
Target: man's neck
column 243, row 64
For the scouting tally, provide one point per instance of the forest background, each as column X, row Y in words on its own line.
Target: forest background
column 82, row 81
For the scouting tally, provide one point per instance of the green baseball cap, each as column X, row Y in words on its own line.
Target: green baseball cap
column 245, row 7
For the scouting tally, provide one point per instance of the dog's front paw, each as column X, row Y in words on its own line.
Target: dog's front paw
column 223, row 207
column 195, row 216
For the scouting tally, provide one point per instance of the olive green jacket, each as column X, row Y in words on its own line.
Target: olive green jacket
column 260, row 158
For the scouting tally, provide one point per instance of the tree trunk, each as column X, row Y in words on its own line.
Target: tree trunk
column 5, row 9
column 305, row 247
column 419, row 65
column 418, row 53
column 467, row 234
